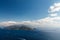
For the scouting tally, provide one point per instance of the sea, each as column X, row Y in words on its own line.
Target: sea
column 28, row 35
column 22, row 35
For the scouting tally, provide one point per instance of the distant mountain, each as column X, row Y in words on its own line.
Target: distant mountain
column 19, row 27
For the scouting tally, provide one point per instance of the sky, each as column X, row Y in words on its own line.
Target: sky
column 42, row 13
column 18, row 10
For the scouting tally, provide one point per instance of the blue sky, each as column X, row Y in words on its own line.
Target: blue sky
column 41, row 13
column 19, row 10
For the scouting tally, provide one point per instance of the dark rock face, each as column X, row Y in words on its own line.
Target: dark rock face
column 19, row 27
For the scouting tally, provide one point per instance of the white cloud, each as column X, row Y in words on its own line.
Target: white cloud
column 7, row 23
column 53, row 14
column 55, row 7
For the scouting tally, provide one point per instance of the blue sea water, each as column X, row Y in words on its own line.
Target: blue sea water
column 23, row 35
